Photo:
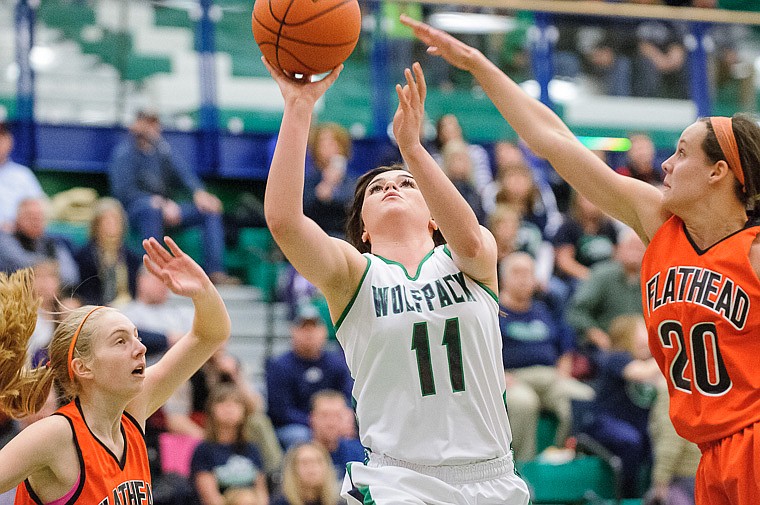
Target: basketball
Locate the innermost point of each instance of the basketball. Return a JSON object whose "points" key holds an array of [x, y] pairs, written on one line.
{"points": [[306, 36]]}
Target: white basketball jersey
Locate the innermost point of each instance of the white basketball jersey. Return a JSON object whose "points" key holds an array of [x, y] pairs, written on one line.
{"points": [[425, 353]]}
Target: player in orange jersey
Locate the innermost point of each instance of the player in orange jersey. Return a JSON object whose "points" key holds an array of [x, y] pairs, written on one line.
{"points": [[92, 450], [700, 271]]}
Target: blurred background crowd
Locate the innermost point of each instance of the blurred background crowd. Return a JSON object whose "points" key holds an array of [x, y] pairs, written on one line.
{"points": [[269, 420]]}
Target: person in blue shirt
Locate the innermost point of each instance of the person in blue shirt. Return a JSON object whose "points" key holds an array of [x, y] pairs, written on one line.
{"points": [[295, 376], [536, 353], [226, 459], [626, 388], [333, 426], [145, 175]]}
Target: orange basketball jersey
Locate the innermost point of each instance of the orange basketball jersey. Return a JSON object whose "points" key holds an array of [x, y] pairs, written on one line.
{"points": [[104, 479], [703, 330]]}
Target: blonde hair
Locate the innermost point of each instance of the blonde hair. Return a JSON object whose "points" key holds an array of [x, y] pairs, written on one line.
{"points": [[291, 482], [23, 390]]}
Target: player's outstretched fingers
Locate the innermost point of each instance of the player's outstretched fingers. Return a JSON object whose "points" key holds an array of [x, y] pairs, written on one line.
{"points": [[156, 252]]}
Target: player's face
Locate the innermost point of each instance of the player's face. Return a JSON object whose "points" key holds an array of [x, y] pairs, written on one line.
{"points": [[118, 356], [687, 170], [393, 193]]}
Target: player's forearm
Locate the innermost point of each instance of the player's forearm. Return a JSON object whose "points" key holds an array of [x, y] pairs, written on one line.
{"points": [[450, 210], [283, 199], [211, 322]]}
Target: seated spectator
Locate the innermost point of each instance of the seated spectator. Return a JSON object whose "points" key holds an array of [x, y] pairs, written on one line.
{"points": [[185, 412], [145, 176], [30, 244], [333, 426], [536, 356], [587, 236], [512, 233], [626, 388], [53, 307], [308, 477], [226, 459], [457, 165], [659, 59], [600, 50], [293, 377], [108, 268], [327, 188], [612, 289], [516, 185], [448, 129], [17, 182], [640, 162], [675, 459]]}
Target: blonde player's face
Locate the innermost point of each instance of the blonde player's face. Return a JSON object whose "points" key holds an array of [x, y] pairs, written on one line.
{"points": [[393, 194], [117, 363], [687, 170]]}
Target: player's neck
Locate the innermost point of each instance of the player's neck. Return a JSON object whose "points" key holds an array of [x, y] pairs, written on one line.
{"points": [[409, 251], [708, 228], [103, 418]]}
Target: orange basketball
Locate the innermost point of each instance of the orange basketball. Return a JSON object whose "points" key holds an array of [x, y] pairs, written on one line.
{"points": [[306, 36]]}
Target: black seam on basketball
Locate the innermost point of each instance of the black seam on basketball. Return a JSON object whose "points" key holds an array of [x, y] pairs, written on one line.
{"points": [[285, 50], [307, 42], [279, 32], [271, 11], [318, 14]]}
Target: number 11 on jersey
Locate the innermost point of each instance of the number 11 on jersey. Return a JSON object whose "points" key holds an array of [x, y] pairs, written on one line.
{"points": [[453, 343]]}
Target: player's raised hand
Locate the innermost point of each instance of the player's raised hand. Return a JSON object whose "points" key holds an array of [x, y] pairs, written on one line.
{"points": [[407, 122], [301, 88], [442, 44], [181, 274]]}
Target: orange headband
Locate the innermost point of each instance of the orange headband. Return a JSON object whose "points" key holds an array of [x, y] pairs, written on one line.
{"points": [[74, 341], [724, 132]]}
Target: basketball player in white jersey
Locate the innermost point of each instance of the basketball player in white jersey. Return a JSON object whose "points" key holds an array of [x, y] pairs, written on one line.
{"points": [[417, 319]]}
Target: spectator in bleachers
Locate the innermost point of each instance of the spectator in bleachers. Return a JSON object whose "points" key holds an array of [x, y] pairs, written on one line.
{"points": [[47, 286], [145, 176], [626, 388], [226, 459], [516, 185], [640, 160], [536, 354], [30, 244], [600, 49], [457, 165], [612, 289], [333, 426], [659, 59], [108, 268], [293, 377], [730, 67], [327, 187], [185, 411], [308, 477], [448, 129], [513, 233], [675, 459], [587, 236], [17, 182]]}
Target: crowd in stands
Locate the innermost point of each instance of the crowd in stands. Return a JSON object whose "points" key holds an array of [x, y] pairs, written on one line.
{"points": [[574, 345], [574, 348]]}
